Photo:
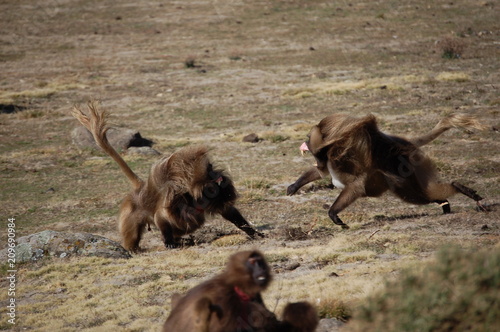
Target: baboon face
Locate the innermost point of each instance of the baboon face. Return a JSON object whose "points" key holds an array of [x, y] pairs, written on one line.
{"points": [[258, 269], [213, 181], [217, 191], [215, 178]]}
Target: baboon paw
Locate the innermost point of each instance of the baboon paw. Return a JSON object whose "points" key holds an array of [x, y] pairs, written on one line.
{"points": [[258, 234], [291, 190], [171, 245], [482, 208], [135, 250], [336, 220], [254, 235]]}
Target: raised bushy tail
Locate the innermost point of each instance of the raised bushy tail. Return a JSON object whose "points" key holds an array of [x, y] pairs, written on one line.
{"points": [[96, 124], [452, 121]]}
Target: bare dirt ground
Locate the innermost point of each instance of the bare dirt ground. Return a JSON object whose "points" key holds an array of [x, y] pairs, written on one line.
{"points": [[210, 72]]}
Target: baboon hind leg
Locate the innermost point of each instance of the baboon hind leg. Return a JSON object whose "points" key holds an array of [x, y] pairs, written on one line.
{"points": [[131, 230], [439, 192], [469, 192], [445, 205], [131, 224]]}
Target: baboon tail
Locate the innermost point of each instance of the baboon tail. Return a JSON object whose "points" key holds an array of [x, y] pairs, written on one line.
{"points": [[97, 125], [453, 121]]}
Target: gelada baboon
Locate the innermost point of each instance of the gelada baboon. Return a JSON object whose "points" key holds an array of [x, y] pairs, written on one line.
{"points": [[299, 317], [181, 190], [363, 161], [232, 301]]}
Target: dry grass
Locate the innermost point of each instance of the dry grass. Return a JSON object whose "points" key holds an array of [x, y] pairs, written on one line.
{"points": [[453, 77], [272, 68], [452, 47]]}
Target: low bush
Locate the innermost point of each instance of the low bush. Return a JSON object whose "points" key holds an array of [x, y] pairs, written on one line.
{"points": [[459, 291]]}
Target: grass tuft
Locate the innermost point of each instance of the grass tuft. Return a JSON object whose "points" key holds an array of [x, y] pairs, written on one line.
{"points": [[230, 240], [333, 308], [451, 47], [453, 77]]}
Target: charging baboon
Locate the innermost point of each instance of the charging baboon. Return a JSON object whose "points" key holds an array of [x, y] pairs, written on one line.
{"points": [[363, 161], [232, 301], [181, 189]]}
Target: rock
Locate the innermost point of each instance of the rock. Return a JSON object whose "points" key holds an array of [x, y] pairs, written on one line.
{"points": [[10, 108], [63, 244], [251, 138], [143, 150], [292, 266], [329, 325], [119, 138]]}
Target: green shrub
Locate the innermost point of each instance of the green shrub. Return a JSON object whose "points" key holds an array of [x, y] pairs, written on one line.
{"points": [[460, 291]]}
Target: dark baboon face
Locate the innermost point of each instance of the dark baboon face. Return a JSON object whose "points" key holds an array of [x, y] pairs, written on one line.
{"points": [[258, 269], [217, 192], [215, 180]]}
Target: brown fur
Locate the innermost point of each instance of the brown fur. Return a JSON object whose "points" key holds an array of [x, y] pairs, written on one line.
{"points": [[215, 305], [181, 189], [300, 317], [367, 162]]}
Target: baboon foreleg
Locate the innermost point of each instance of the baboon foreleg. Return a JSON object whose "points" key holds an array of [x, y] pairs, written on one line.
{"points": [[167, 233], [347, 196], [131, 231], [233, 215], [312, 174]]}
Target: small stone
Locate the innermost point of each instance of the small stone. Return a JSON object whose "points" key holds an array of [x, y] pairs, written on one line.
{"points": [[143, 150], [329, 325], [251, 138]]}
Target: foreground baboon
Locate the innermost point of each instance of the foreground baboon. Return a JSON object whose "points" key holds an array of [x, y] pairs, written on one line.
{"points": [[232, 301], [363, 161], [181, 189], [299, 317]]}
